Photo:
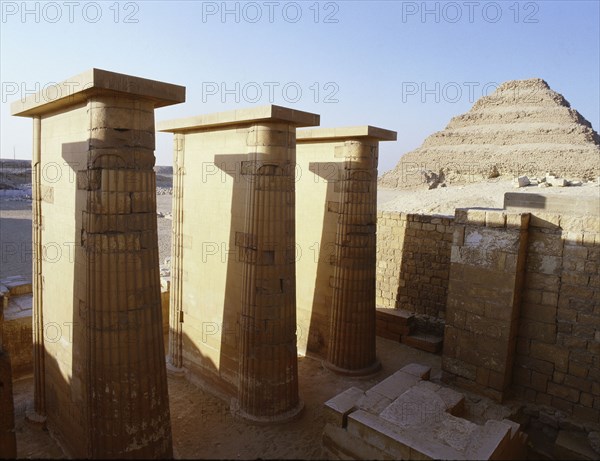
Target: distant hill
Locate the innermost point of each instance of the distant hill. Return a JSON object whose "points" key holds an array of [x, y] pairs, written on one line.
{"points": [[164, 176], [16, 173], [168, 170], [523, 128]]}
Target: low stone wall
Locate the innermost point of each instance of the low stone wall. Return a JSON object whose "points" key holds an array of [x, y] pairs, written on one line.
{"points": [[413, 262], [18, 342], [17, 339]]}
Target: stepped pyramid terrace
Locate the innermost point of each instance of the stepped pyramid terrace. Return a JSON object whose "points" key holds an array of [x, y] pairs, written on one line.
{"points": [[523, 128]]}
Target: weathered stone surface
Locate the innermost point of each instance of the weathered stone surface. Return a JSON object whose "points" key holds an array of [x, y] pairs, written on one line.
{"points": [[396, 384], [486, 277], [373, 402], [418, 424], [413, 262], [418, 370], [341, 405]]}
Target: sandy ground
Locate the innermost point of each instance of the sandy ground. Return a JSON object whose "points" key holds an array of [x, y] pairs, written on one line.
{"points": [[487, 194], [204, 428]]}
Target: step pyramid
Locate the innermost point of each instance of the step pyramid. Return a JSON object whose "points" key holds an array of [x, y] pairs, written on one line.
{"points": [[523, 128]]}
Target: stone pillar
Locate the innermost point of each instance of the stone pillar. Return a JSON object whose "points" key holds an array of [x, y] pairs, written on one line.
{"points": [[38, 415], [352, 329], [238, 234], [105, 381], [268, 359], [175, 358], [322, 217], [484, 296]]}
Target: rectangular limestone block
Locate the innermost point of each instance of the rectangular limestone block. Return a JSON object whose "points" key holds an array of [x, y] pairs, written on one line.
{"points": [[219, 120], [365, 131], [424, 342], [495, 218], [402, 444], [557, 204], [418, 370], [339, 407], [373, 402], [396, 384], [93, 82]]}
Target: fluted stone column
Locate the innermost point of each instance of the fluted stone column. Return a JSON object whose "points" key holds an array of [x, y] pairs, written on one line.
{"points": [[38, 415], [175, 357], [352, 329], [268, 387], [335, 215], [105, 382]]}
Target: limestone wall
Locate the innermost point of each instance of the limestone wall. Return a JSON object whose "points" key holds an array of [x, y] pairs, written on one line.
{"points": [[413, 262], [558, 349], [556, 323], [18, 342], [486, 277]]}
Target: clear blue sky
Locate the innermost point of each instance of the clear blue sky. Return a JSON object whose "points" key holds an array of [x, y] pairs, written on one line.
{"points": [[354, 62]]}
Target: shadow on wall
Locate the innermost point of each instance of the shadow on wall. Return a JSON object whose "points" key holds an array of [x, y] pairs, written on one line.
{"points": [[227, 371], [115, 258], [424, 265], [320, 319], [558, 345]]}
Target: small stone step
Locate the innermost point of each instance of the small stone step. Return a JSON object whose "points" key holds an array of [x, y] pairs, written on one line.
{"points": [[393, 323], [398, 316], [425, 342]]}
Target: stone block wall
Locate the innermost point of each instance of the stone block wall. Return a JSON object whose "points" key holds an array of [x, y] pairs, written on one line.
{"points": [[558, 349], [18, 343], [486, 277], [413, 262]]}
